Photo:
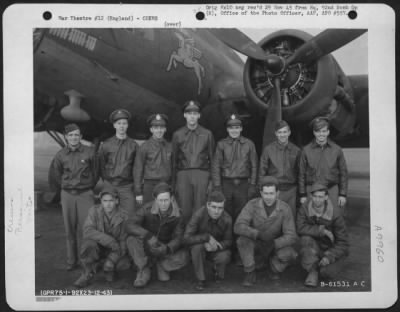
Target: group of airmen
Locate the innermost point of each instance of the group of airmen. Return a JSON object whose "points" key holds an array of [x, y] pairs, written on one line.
{"points": [[164, 205]]}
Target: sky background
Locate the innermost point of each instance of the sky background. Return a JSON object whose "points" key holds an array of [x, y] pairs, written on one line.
{"points": [[352, 58]]}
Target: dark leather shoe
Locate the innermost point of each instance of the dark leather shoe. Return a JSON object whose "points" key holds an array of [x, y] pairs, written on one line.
{"points": [[249, 279], [201, 285], [273, 275], [312, 279], [110, 276], [218, 277]]}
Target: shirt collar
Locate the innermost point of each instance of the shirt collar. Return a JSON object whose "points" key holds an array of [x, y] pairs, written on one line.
{"points": [[328, 211], [79, 148], [162, 141], [196, 131], [115, 218], [277, 206], [231, 140], [315, 144], [126, 136], [281, 146]]}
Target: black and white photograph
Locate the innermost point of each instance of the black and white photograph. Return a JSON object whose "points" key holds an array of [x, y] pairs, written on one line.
{"points": [[201, 160]]}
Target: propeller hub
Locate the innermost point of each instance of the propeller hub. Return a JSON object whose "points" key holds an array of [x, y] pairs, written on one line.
{"points": [[275, 64]]}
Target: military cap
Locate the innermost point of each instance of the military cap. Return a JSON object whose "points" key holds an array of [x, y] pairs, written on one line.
{"points": [[281, 124], [318, 187], [120, 114], [216, 197], [191, 106], [71, 127], [161, 187], [109, 190], [268, 180], [157, 120], [233, 120], [319, 122]]}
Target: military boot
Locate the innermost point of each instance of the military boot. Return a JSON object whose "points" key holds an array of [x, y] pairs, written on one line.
{"points": [[312, 279], [85, 277], [249, 279], [142, 277], [162, 274], [83, 280], [110, 276]]}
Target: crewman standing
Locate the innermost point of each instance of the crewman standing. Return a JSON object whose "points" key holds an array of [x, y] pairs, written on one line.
{"points": [[323, 161], [281, 160], [117, 156], [74, 171], [192, 150], [234, 171], [153, 163], [234, 168]]}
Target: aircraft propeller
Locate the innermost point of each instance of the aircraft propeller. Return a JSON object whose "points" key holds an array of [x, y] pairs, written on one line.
{"points": [[277, 66]]}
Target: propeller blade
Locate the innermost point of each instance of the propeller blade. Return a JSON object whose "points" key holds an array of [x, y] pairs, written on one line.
{"points": [[274, 114], [324, 43], [238, 41]]}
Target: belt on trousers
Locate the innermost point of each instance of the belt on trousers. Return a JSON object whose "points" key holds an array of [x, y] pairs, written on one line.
{"points": [[328, 186], [157, 180], [77, 191], [236, 181]]}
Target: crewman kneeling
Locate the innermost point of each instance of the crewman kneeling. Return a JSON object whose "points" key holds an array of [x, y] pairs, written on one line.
{"points": [[209, 235], [103, 238], [155, 236], [323, 236], [267, 231]]}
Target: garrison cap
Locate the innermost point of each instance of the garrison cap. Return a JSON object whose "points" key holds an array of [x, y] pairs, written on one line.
{"points": [[319, 122], [161, 187], [318, 187], [268, 180], [216, 197], [120, 114], [71, 127], [233, 120], [281, 124], [108, 190], [157, 120], [191, 106]]}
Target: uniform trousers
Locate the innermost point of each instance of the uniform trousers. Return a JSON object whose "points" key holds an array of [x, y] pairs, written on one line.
{"points": [[255, 253], [142, 257], [311, 253], [75, 207], [199, 256], [289, 196], [126, 198], [92, 252], [191, 187], [236, 195]]}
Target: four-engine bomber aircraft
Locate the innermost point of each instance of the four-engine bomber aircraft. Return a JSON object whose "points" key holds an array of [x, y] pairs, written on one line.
{"points": [[82, 75]]}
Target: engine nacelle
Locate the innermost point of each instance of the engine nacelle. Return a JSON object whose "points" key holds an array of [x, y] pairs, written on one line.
{"points": [[307, 90]]}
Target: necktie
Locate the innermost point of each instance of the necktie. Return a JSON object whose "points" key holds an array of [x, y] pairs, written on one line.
{"points": [[235, 147]]}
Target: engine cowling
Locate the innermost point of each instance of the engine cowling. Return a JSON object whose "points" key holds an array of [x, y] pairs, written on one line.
{"points": [[307, 90]]}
